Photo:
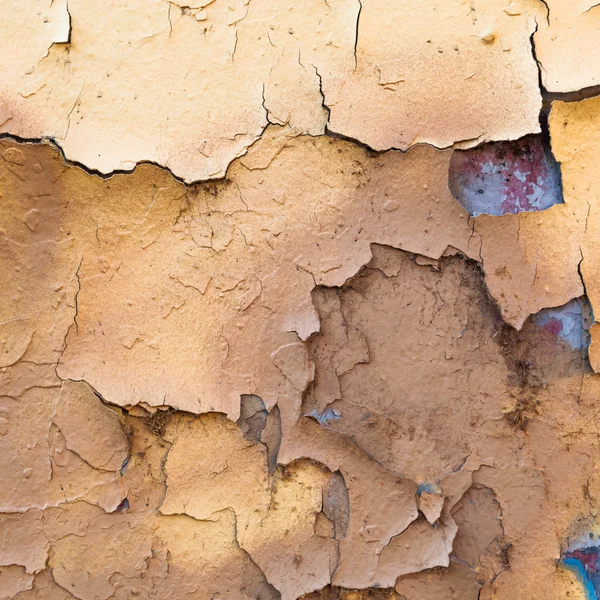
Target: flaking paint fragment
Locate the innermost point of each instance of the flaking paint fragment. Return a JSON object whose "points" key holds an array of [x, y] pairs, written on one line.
{"points": [[252, 283], [316, 66], [570, 126], [479, 543], [14, 579], [566, 47], [419, 70], [60, 20], [226, 472], [22, 541], [91, 429]]}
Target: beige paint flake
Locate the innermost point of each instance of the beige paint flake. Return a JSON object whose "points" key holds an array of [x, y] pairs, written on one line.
{"points": [[14, 579], [479, 542], [294, 556], [219, 61], [202, 559], [531, 260], [551, 256], [431, 506], [418, 548], [574, 128], [84, 565], [566, 45], [245, 254], [90, 428], [275, 519], [210, 468], [421, 67], [44, 587], [22, 541], [233, 68], [40, 469]]}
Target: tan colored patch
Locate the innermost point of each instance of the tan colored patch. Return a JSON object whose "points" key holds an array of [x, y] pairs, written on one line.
{"points": [[566, 45]]}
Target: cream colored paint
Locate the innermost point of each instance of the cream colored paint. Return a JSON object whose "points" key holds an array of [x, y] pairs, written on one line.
{"points": [[191, 89]]}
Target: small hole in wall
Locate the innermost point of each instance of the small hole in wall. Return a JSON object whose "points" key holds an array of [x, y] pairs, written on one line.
{"points": [[124, 506], [506, 177]]}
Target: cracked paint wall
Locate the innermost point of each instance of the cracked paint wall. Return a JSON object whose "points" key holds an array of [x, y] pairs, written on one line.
{"points": [[298, 300]]}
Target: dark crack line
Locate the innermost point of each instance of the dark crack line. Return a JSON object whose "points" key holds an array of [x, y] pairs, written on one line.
{"points": [[585, 11], [323, 102], [540, 67], [95, 172], [585, 93], [545, 3], [360, 7], [77, 295], [580, 273]]}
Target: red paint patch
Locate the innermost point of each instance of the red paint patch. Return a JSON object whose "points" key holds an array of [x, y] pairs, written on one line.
{"points": [[589, 560], [554, 326], [506, 177]]}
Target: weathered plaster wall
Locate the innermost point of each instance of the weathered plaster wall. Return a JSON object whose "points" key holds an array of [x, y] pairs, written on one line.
{"points": [[298, 301]]}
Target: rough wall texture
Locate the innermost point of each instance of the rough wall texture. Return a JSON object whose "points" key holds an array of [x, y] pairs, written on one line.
{"points": [[298, 300]]}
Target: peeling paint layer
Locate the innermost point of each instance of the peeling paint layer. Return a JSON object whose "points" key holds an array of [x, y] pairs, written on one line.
{"points": [[299, 302], [390, 429], [233, 68]]}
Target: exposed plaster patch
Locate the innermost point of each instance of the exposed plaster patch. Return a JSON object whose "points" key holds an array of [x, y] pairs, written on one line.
{"points": [[584, 563], [374, 370], [570, 323], [506, 177]]}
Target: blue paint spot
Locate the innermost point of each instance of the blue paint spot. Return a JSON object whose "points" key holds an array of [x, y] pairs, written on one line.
{"points": [[506, 177], [566, 322], [591, 582], [428, 488], [329, 414]]}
